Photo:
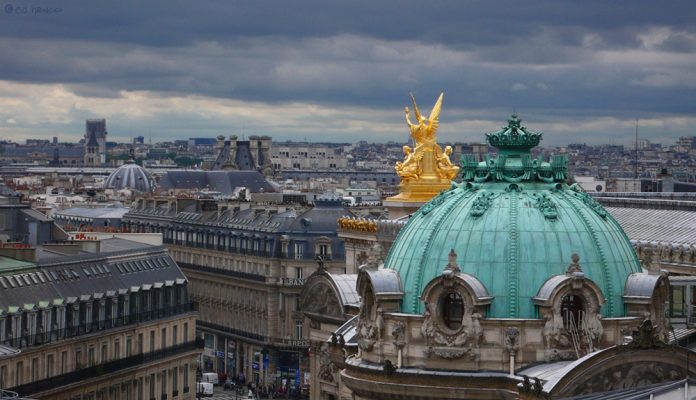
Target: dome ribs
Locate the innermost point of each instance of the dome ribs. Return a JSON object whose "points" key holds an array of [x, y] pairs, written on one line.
{"points": [[513, 257], [581, 212], [442, 212]]}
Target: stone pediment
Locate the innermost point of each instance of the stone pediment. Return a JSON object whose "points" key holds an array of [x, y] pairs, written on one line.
{"points": [[320, 299]]}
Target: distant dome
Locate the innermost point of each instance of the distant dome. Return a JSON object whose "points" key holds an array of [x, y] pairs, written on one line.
{"points": [[130, 176], [514, 223]]}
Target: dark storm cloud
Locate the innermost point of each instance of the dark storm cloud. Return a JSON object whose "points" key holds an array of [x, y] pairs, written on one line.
{"points": [[548, 58]]}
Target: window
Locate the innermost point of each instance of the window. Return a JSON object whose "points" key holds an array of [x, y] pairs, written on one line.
{"points": [[209, 341], [63, 361], [175, 381], [129, 345], [299, 251], [174, 335], [18, 374], [49, 366], [140, 343], [323, 250], [104, 353], [117, 349], [90, 357], [298, 329], [676, 301], [298, 272], [164, 384], [452, 310], [3, 376], [572, 311], [152, 386], [139, 389], [35, 369], [78, 359], [152, 340], [186, 377], [185, 332], [164, 338]]}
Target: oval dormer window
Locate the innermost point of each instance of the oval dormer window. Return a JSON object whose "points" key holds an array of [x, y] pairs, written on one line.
{"points": [[573, 311], [452, 310]]}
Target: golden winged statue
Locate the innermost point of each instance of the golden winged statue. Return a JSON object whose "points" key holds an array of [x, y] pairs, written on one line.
{"points": [[424, 132], [426, 170]]}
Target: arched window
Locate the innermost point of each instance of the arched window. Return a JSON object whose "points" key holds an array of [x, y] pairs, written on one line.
{"points": [[572, 310], [452, 310]]}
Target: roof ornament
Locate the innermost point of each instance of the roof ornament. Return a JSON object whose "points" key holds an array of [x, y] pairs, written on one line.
{"points": [[452, 264], [647, 336], [514, 136], [320, 263], [426, 168], [574, 266]]}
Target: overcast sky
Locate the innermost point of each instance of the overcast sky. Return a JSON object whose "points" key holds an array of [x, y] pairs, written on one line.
{"points": [[579, 71]]}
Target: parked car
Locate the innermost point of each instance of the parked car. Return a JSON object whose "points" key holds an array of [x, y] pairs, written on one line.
{"points": [[204, 389], [230, 384], [210, 377]]}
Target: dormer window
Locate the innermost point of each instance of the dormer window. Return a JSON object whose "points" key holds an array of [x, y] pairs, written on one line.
{"points": [[299, 251], [572, 311], [452, 310]]}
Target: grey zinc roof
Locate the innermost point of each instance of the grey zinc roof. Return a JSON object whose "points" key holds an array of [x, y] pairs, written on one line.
{"points": [[547, 288], [319, 219], [479, 290], [641, 285], [36, 215], [243, 157], [63, 151], [224, 182], [83, 276], [98, 212], [384, 281], [345, 283], [673, 226]]}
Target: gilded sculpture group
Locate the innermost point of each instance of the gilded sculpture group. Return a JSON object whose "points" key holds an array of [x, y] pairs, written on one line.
{"points": [[357, 224], [424, 135]]}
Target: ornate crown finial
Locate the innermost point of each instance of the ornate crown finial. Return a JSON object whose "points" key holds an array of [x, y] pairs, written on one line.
{"points": [[514, 136]]}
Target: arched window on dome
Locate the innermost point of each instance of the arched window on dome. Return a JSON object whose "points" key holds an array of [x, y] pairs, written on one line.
{"points": [[452, 310], [573, 311]]}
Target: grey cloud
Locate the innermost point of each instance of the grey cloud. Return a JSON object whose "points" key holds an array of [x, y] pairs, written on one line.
{"points": [[364, 53]]}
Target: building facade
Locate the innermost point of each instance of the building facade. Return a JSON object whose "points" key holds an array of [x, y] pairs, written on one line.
{"points": [[307, 156], [247, 264]]}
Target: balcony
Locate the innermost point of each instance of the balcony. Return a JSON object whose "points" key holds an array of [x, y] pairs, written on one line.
{"points": [[212, 270], [73, 331], [106, 368]]}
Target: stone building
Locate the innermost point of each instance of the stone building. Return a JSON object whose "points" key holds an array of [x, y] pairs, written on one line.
{"points": [[308, 156], [244, 155], [247, 264], [95, 142], [110, 324], [512, 284]]}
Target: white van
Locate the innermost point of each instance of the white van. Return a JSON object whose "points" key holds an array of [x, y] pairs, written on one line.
{"points": [[210, 377], [204, 389]]}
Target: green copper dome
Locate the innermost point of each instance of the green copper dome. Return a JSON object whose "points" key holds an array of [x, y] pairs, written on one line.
{"points": [[513, 223]]}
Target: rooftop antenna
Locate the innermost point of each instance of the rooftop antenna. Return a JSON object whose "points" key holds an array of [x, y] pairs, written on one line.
{"points": [[635, 170]]}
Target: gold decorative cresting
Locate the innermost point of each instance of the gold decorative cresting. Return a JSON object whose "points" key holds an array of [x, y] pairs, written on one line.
{"points": [[426, 169]]}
